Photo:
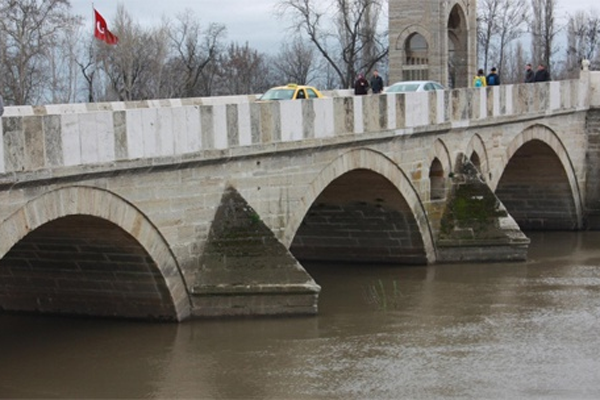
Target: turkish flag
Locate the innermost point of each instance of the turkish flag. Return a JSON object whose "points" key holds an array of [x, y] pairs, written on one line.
{"points": [[101, 32]]}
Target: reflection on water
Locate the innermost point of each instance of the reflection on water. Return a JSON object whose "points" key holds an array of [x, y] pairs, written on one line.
{"points": [[516, 330]]}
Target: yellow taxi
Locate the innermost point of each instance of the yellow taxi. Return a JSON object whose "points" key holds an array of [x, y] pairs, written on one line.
{"points": [[290, 92]]}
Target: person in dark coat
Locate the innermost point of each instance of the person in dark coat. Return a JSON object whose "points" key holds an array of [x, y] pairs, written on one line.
{"points": [[529, 74], [376, 83], [1, 106], [493, 79], [361, 86], [542, 74]]}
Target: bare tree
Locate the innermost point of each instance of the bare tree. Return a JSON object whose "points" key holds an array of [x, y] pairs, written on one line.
{"points": [[500, 23], [543, 31], [194, 50], [295, 62], [583, 38], [243, 71], [28, 29], [63, 70], [512, 17], [514, 72], [88, 66], [135, 65], [349, 40], [487, 29]]}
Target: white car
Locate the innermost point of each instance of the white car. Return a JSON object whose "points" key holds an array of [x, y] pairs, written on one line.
{"points": [[414, 86]]}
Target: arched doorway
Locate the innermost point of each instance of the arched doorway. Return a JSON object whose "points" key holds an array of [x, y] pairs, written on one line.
{"points": [[458, 65], [437, 181], [416, 65]]}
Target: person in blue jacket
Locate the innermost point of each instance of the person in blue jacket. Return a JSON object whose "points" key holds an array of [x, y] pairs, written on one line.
{"points": [[493, 79]]}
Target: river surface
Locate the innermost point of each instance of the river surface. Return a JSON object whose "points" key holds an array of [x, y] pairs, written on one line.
{"points": [[461, 331]]}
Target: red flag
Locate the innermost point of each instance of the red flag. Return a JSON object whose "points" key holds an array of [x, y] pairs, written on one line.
{"points": [[101, 31]]}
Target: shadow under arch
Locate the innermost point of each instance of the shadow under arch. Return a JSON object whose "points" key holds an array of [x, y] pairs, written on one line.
{"points": [[438, 171], [537, 161], [477, 145], [94, 204], [440, 151], [376, 163], [457, 36]]}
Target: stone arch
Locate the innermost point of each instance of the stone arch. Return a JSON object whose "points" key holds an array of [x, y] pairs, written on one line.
{"points": [[410, 30], [371, 160], [415, 62], [437, 180], [104, 205], [477, 146], [440, 151], [544, 134], [458, 44]]}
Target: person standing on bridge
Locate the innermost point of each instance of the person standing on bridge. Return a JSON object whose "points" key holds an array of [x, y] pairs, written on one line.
{"points": [[479, 79], [361, 86], [542, 74], [529, 74], [493, 79], [376, 83]]}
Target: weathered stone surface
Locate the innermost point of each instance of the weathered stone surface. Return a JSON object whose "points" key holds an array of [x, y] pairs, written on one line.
{"points": [[158, 171], [475, 225], [243, 259], [439, 23]]}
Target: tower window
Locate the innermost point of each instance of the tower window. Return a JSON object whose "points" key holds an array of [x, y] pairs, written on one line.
{"points": [[416, 66]]}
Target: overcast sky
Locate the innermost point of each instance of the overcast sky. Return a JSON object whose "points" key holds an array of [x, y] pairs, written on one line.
{"points": [[253, 21]]}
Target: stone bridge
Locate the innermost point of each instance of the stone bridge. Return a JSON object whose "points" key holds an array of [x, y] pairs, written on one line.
{"points": [[173, 209]]}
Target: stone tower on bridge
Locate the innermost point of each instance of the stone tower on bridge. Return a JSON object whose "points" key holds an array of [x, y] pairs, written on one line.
{"points": [[433, 39]]}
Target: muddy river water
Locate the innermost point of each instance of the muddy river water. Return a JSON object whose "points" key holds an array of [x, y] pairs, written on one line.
{"points": [[461, 331]]}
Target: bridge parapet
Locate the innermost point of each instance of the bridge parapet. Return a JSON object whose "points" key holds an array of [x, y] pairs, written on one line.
{"points": [[56, 136], [593, 81]]}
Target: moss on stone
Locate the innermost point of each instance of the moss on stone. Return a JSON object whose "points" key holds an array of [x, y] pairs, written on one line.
{"points": [[471, 206]]}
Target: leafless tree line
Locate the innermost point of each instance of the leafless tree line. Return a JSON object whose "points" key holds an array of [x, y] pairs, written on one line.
{"points": [[505, 26], [48, 56]]}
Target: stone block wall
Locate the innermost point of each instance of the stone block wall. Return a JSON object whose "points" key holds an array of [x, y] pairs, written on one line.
{"points": [[592, 201], [75, 136], [169, 166], [85, 266]]}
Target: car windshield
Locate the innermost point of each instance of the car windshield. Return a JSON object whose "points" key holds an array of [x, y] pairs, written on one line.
{"points": [[278, 94], [404, 87]]}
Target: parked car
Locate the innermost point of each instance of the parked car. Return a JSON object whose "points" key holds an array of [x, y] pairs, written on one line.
{"points": [[414, 86], [291, 91]]}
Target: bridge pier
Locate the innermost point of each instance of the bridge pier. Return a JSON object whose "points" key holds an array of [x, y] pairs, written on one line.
{"points": [[475, 226], [592, 201], [245, 270]]}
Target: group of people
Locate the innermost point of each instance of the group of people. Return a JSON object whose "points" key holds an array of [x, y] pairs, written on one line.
{"points": [[493, 79], [541, 75], [481, 80], [362, 85]]}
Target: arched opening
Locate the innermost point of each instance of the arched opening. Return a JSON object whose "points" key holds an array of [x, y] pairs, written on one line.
{"points": [[416, 65], [360, 217], [535, 189], [437, 181], [83, 265], [457, 49], [476, 161]]}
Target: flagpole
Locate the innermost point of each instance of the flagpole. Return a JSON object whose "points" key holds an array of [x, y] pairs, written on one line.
{"points": [[95, 61]]}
